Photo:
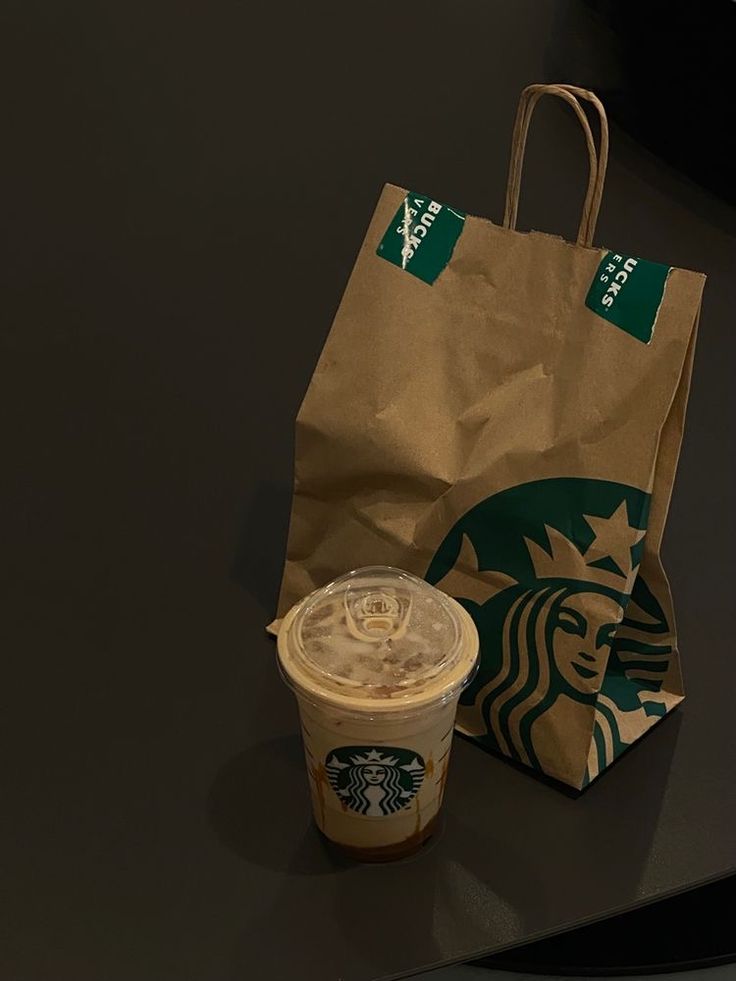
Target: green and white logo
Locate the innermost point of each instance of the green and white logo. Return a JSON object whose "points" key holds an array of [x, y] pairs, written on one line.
{"points": [[422, 236], [549, 571], [375, 782], [628, 292]]}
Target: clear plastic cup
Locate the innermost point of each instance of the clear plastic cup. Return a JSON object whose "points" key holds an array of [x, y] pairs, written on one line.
{"points": [[377, 660]]}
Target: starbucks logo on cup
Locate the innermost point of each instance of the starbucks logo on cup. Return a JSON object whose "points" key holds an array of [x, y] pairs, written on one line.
{"points": [[375, 782]]}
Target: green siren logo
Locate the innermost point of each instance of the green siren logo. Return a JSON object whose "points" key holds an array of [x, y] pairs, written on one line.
{"points": [[574, 644], [375, 782]]}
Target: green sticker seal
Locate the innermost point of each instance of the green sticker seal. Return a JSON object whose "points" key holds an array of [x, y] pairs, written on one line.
{"points": [[422, 236], [628, 292]]}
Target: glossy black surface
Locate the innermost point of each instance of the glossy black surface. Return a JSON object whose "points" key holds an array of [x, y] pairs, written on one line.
{"points": [[185, 188], [689, 931], [664, 71]]}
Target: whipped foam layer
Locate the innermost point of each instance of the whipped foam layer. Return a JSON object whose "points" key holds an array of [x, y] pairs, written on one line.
{"points": [[401, 641], [378, 639]]}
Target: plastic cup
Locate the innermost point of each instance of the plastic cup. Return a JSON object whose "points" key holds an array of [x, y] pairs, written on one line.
{"points": [[377, 660]]}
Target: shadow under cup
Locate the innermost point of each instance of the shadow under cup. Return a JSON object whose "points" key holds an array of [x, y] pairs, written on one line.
{"points": [[377, 660]]}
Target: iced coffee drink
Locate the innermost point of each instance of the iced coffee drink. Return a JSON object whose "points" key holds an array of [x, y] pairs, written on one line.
{"points": [[377, 660]]}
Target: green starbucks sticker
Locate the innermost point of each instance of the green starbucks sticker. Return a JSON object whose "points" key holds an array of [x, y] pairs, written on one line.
{"points": [[422, 236], [628, 292], [372, 781]]}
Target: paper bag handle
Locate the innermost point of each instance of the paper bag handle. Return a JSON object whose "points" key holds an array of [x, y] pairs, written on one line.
{"points": [[598, 159]]}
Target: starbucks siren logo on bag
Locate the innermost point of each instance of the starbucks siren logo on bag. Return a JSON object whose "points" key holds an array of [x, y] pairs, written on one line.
{"points": [[549, 572], [375, 782]]}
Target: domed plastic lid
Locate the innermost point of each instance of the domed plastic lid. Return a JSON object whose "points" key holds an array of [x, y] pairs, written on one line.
{"points": [[378, 633]]}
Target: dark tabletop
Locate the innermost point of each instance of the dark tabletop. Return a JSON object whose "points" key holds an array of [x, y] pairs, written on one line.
{"points": [[185, 189]]}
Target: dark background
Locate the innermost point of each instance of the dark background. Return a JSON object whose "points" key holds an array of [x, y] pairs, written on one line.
{"points": [[185, 187]]}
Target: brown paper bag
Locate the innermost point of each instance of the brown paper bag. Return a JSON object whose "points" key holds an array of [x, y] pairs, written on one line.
{"points": [[501, 413]]}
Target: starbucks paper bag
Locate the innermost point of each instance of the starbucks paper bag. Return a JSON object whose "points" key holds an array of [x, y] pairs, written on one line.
{"points": [[501, 412]]}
